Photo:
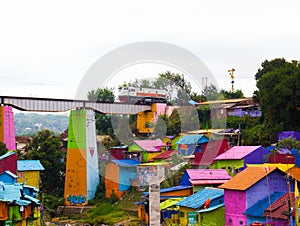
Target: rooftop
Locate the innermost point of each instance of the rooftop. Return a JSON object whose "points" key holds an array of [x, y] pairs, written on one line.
{"points": [[237, 152], [247, 178]]}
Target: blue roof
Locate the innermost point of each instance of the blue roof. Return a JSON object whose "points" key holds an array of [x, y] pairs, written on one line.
{"points": [[257, 210], [192, 139], [198, 199], [211, 208], [176, 188], [126, 162], [28, 165], [12, 193], [7, 154]]}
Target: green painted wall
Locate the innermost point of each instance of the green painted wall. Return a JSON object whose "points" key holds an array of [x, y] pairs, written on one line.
{"points": [[213, 218], [229, 165], [77, 129]]}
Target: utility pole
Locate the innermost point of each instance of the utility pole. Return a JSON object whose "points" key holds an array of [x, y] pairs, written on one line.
{"points": [[230, 71]]}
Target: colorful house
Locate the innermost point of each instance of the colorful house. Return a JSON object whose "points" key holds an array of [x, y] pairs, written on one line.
{"points": [[256, 213], [120, 176], [247, 188], [29, 172], [201, 178], [283, 156], [18, 207], [8, 161], [210, 150], [205, 207], [146, 149], [189, 144], [236, 158]]}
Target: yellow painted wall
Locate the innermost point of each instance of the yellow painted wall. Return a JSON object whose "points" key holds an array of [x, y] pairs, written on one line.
{"points": [[76, 179], [183, 215], [142, 119], [31, 178]]}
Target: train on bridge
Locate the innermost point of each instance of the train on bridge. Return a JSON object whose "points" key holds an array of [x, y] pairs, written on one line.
{"points": [[139, 95]]}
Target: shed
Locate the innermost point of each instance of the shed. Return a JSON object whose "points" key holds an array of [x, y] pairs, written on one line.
{"points": [[118, 152], [120, 176]]}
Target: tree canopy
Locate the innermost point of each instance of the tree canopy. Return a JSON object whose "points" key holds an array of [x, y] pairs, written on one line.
{"points": [[278, 83]]}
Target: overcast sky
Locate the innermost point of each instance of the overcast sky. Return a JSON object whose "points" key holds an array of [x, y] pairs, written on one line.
{"points": [[47, 47]]}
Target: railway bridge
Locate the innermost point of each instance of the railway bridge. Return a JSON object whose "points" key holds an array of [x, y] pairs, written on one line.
{"points": [[82, 172]]}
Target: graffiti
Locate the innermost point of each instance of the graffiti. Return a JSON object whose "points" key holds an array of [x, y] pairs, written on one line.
{"points": [[144, 174], [77, 199]]}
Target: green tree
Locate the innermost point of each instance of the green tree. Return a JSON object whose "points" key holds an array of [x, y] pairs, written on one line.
{"points": [[103, 121], [211, 93], [279, 94], [3, 148], [232, 95], [102, 94], [45, 147]]}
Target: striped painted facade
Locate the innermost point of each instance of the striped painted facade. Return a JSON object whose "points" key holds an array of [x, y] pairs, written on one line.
{"points": [[82, 173]]}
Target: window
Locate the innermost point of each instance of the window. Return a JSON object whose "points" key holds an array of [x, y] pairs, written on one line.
{"points": [[21, 174]]}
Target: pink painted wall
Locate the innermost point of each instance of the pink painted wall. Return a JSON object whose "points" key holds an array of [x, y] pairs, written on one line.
{"points": [[9, 128], [235, 206]]}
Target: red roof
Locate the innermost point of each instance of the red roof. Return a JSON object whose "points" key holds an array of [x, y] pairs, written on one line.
{"points": [[279, 207]]}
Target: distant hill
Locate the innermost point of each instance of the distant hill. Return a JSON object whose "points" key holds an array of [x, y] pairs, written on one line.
{"points": [[30, 123]]}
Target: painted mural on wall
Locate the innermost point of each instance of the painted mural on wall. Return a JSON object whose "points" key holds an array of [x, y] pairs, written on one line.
{"points": [[144, 173]]}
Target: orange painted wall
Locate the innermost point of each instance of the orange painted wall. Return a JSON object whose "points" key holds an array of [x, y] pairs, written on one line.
{"points": [[184, 192], [112, 180], [76, 180]]}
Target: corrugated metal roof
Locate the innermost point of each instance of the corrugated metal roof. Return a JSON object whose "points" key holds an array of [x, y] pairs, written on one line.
{"points": [[237, 152], [247, 178], [207, 174], [165, 154], [170, 189], [192, 139], [210, 208], [126, 162], [198, 199], [12, 193], [257, 210], [207, 182], [169, 203], [28, 165], [7, 154], [150, 145]]}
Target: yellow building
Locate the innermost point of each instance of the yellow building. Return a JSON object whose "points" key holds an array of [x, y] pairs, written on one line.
{"points": [[29, 172]]}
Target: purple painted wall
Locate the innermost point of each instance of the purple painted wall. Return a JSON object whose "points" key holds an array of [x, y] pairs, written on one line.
{"points": [[287, 134], [236, 202], [277, 183], [256, 157], [235, 206]]}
